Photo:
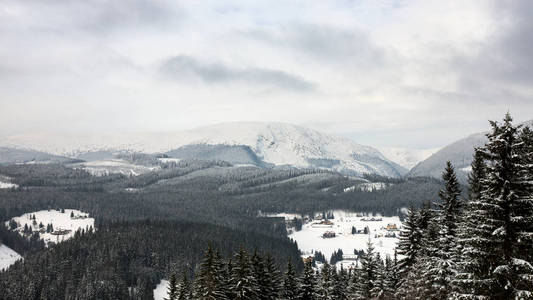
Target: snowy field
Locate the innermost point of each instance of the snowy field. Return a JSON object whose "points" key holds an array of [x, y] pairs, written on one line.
{"points": [[161, 290], [7, 257], [113, 166], [310, 238], [7, 185], [62, 222]]}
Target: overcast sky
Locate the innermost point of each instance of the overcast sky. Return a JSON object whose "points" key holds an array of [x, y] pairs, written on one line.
{"points": [[387, 73]]}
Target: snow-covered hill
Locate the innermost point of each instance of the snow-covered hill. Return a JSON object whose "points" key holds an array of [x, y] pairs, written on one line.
{"points": [[7, 257], [460, 153], [269, 143], [407, 158]]}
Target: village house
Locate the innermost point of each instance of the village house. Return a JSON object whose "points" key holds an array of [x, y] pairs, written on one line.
{"points": [[328, 234], [391, 226]]}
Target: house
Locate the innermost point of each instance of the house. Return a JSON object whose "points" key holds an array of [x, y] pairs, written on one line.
{"points": [[349, 257], [391, 226], [325, 222], [328, 234], [61, 232]]}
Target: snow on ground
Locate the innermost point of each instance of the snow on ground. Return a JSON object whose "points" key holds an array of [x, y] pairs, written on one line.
{"points": [[310, 238], [64, 225], [367, 187], [161, 290], [7, 257], [113, 166], [7, 185], [169, 160]]}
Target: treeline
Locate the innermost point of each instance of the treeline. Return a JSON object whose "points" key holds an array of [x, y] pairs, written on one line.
{"points": [[255, 276], [126, 260], [481, 247], [194, 190]]}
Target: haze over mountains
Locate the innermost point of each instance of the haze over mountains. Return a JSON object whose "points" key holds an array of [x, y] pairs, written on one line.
{"points": [[260, 144], [249, 143]]}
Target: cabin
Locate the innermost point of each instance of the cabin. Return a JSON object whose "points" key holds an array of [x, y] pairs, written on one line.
{"points": [[391, 227], [328, 234], [352, 257], [325, 222], [390, 234], [61, 232]]}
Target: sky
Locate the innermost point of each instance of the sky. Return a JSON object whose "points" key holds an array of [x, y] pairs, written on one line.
{"points": [[416, 74]]}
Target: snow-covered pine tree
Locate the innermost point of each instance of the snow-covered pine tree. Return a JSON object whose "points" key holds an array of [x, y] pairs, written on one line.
{"points": [[261, 276], [369, 269], [477, 260], [290, 283], [389, 277], [441, 265], [308, 284], [508, 188], [273, 278], [172, 291], [326, 284], [409, 243], [209, 283], [184, 289], [340, 284], [244, 283]]}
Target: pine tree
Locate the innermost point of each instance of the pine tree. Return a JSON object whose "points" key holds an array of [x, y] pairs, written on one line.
{"points": [[209, 282], [244, 284], [308, 285], [184, 290], [474, 278], [273, 278], [261, 276], [340, 284], [290, 283], [409, 243], [172, 291], [325, 287], [369, 269], [495, 261], [441, 265]]}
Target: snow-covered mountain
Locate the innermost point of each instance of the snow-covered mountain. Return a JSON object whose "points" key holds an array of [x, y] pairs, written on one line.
{"points": [[405, 157], [460, 153], [277, 144]]}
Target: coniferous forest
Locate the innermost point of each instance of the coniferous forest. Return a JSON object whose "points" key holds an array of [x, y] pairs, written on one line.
{"points": [[465, 242], [478, 247]]}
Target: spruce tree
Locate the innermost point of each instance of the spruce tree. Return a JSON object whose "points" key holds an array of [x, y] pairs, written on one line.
{"points": [[273, 278], [476, 262], [369, 269], [508, 187], [244, 284], [308, 284], [209, 283], [290, 283], [442, 265], [409, 242], [326, 284], [184, 289], [172, 292]]}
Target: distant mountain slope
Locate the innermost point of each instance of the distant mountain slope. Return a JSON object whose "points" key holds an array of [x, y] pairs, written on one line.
{"points": [[15, 155], [275, 144], [460, 153], [407, 158]]}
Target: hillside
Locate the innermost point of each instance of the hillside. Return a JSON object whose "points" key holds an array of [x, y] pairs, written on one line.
{"points": [[260, 144], [460, 153]]}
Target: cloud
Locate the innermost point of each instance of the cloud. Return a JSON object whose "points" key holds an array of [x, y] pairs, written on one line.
{"points": [[183, 68]]}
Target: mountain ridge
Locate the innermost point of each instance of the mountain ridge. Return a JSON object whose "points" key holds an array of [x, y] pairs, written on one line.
{"points": [[273, 143]]}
